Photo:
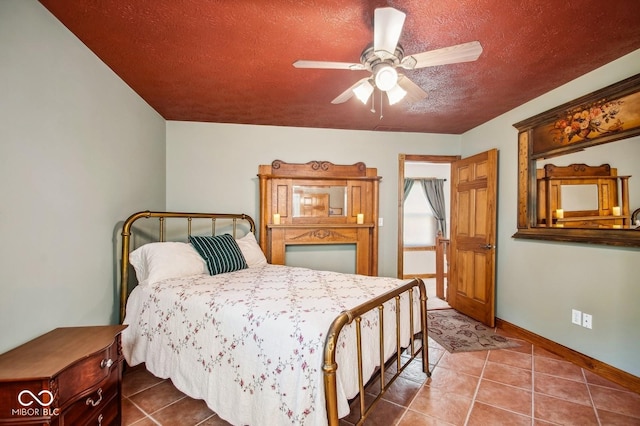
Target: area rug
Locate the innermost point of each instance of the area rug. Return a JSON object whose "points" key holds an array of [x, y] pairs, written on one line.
{"points": [[459, 333]]}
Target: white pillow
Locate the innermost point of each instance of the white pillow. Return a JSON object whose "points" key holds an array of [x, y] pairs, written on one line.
{"points": [[158, 261], [251, 250]]}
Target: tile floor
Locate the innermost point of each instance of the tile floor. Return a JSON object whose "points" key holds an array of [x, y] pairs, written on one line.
{"points": [[525, 385]]}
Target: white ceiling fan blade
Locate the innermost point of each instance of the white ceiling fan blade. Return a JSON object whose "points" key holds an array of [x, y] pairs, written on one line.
{"points": [[347, 94], [387, 27], [328, 65], [414, 92], [465, 52]]}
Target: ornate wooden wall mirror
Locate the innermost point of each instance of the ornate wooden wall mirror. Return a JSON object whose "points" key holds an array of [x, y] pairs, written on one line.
{"points": [[574, 183]]}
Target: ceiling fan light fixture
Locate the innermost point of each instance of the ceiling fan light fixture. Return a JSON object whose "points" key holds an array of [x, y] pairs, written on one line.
{"points": [[363, 91], [396, 94], [386, 78]]}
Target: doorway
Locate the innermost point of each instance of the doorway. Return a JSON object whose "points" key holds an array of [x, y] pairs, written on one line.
{"points": [[423, 232]]}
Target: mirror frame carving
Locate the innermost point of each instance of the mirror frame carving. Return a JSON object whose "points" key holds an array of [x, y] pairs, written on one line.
{"points": [[535, 141]]}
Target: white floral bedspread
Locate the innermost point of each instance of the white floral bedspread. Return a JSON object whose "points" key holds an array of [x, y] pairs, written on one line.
{"points": [[250, 343]]}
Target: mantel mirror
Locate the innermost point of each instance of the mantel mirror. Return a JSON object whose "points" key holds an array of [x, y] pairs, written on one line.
{"points": [[576, 168], [319, 200]]}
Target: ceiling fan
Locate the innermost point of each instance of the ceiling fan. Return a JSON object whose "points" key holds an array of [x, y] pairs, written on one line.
{"points": [[385, 55]]}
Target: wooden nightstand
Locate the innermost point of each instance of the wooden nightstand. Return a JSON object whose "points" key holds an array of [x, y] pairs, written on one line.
{"points": [[69, 376]]}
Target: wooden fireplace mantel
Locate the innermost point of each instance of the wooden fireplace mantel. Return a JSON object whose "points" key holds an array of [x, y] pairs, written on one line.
{"points": [[303, 197], [360, 235]]}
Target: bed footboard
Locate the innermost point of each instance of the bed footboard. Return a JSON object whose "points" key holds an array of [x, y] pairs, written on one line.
{"points": [[330, 366]]}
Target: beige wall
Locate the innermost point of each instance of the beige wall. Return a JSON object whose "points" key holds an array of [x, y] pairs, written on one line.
{"points": [[538, 283], [213, 167], [78, 152]]}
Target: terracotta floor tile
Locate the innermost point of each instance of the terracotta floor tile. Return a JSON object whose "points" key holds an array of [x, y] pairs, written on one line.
{"points": [[505, 397], [145, 422], [526, 384], [385, 413], [483, 415], [130, 413], [538, 351], [186, 411], [137, 379], [214, 421], [508, 375], [453, 382], [559, 387], [525, 347], [402, 391], [608, 418], [563, 412], [555, 367], [538, 422], [414, 372], [157, 397], [621, 402], [514, 359], [354, 414], [594, 379], [464, 362], [413, 418], [433, 344], [447, 406], [434, 356]]}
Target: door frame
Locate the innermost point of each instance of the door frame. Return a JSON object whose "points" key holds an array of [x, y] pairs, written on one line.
{"points": [[402, 158]]}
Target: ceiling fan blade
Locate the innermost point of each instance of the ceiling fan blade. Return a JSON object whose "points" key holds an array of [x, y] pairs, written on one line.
{"points": [[387, 27], [464, 52], [347, 94], [328, 65], [414, 92]]}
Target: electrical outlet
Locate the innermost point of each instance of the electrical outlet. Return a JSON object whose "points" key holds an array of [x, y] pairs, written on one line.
{"points": [[576, 317], [380, 221], [587, 320]]}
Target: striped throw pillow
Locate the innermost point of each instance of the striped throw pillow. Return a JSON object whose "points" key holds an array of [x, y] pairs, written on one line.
{"points": [[221, 253]]}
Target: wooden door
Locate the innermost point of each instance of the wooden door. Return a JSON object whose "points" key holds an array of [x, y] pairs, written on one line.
{"points": [[471, 288]]}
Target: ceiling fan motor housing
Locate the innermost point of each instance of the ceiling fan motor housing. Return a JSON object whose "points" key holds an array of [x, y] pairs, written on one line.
{"points": [[382, 64]]}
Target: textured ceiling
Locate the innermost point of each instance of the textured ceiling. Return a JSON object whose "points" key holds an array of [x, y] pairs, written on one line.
{"points": [[231, 61]]}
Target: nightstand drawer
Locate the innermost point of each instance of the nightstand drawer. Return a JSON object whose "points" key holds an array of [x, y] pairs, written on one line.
{"points": [[86, 374], [109, 416], [69, 376], [93, 404]]}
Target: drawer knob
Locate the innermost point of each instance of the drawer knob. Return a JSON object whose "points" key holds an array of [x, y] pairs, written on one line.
{"points": [[106, 363], [93, 403]]}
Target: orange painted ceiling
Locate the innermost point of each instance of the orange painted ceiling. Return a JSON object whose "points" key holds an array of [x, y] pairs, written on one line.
{"points": [[231, 61]]}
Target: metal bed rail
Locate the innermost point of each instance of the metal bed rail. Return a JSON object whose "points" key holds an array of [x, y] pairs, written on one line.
{"points": [[330, 366]]}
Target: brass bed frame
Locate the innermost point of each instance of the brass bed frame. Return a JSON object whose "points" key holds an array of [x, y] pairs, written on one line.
{"points": [[346, 317]]}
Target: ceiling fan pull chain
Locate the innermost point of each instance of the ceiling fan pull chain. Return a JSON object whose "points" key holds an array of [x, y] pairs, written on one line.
{"points": [[373, 104], [381, 104]]}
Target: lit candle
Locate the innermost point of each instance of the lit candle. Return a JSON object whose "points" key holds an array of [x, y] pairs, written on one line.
{"points": [[615, 210], [276, 218], [560, 213], [360, 219]]}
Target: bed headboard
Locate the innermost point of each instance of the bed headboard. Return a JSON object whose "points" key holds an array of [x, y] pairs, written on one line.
{"points": [[185, 224]]}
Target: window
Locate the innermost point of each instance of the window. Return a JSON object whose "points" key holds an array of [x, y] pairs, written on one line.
{"points": [[420, 226]]}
